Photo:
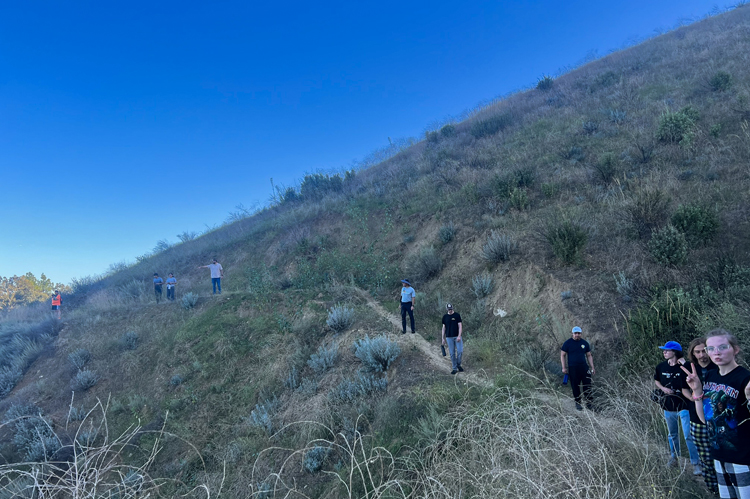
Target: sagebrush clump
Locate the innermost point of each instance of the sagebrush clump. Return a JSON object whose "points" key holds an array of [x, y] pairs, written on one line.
{"points": [[482, 285], [83, 380], [340, 318], [189, 300], [377, 354], [79, 358], [324, 358], [498, 248]]}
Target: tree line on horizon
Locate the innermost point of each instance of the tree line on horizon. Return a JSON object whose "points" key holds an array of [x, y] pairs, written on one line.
{"points": [[27, 289]]}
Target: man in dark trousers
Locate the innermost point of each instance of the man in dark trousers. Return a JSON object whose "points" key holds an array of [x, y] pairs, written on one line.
{"points": [[158, 281], [669, 378], [578, 362], [696, 354], [408, 297], [452, 332]]}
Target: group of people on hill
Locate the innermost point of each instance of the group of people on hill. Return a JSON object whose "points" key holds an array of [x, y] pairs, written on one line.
{"points": [[708, 394], [217, 272]]}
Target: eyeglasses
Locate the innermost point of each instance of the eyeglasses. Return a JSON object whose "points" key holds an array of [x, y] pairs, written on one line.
{"points": [[720, 348]]}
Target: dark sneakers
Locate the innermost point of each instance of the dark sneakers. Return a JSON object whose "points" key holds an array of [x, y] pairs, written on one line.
{"points": [[460, 369], [578, 407], [454, 371]]}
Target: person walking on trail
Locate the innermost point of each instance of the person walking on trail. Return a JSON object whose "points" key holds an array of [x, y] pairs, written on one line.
{"points": [[578, 363], [408, 296], [217, 272], [57, 303], [158, 281], [696, 354], [452, 336], [171, 283], [669, 378], [721, 402]]}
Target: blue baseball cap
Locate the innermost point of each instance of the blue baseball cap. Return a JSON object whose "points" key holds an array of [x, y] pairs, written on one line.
{"points": [[672, 345], [577, 330]]}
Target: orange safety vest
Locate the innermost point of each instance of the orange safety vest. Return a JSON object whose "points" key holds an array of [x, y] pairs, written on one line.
{"points": [[57, 300]]}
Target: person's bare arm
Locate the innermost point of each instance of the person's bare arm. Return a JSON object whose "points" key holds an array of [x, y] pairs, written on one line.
{"points": [[663, 388], [564, 361], [694, 382], [443, 334], [590, 359], [460, 330]]}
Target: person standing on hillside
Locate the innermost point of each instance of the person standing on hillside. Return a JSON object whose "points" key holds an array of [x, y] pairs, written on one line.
{"points": [[696, 354], [57, 303], [171, 283], [158, 281], [578, 362], [408, 298], [452, 332], [669, 378], [217, 272], [721, 402]]}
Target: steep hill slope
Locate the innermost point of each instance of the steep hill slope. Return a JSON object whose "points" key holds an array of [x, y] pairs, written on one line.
{"points": [[613, 197]]}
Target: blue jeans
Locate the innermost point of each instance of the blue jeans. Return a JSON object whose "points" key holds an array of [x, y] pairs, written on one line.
{"points": [[456, 349], [674, 419], [216, 282]]}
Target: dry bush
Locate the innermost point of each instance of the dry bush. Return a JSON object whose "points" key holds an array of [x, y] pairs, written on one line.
{"points": [[96, 464]]}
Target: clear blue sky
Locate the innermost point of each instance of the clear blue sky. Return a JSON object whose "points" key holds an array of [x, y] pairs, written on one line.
{"points": [[125, 123]]}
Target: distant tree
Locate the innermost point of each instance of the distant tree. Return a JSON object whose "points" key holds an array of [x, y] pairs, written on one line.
{"points": [[26, 289]]}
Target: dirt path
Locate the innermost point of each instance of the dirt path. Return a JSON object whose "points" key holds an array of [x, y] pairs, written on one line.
{"points": [[430, 351]]}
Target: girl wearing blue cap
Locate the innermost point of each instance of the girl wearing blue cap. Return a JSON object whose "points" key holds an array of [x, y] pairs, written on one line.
{"points": [[669, 378]]}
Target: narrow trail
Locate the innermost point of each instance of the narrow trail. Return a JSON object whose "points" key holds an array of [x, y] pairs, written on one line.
{"points": [[430, 351]]}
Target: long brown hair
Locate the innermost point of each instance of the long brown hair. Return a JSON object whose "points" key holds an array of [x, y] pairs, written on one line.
{"points": [[692, 346]]}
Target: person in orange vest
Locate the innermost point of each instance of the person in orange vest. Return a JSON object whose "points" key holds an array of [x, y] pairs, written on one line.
{"points": [[57, 303]]}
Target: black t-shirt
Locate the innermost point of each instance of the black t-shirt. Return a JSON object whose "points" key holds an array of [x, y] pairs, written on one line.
{"points": [[576, 351], [671, 377], [702, 373], [451, 322], [727, 415]]}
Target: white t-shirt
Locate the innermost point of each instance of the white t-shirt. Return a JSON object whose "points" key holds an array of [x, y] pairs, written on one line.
{"points": [[215, 270]]}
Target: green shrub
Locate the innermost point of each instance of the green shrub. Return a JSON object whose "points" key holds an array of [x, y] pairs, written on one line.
{"points": [[550, 190], [176, 380], [324, 358], [670, 315], [668, 246], [317, 185], [720, 82], [32, 433], [715, 130], [624, 285], [340, 318], [678, 127], [574, 154], [606, 168], [567, 239], [432, 137], [377, 354], [84, 380], [79, 358], [699, 223], [647, 211], [482, 285], [425, 264], [545, 83], [189, 300], [519, 199], [524, 177], [9, 378], [447, 232], [490, 126], [448, 130], [590, 127]]}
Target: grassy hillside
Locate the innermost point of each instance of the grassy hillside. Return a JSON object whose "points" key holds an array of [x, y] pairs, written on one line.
{"points": [[613, 197]]}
